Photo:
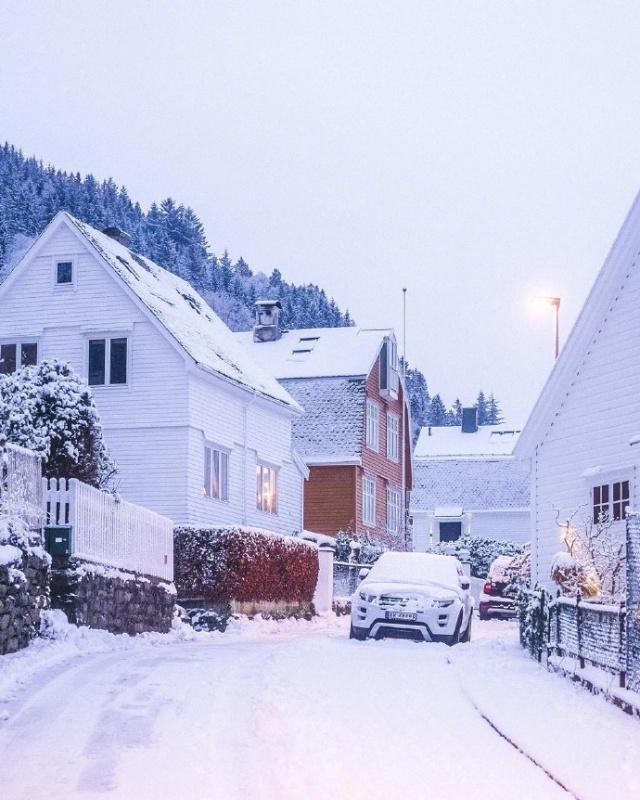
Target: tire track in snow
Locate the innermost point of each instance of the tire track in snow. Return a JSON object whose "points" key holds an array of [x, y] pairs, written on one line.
{"points": [[506, 737]]}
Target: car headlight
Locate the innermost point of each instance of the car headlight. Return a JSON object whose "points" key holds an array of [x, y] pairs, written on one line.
{"points": [[442, 603], [368, 598]]}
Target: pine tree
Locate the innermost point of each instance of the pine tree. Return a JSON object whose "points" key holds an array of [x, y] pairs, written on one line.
{"points": [[437, 412], [494, 413], [455, 413], [481, 405]]}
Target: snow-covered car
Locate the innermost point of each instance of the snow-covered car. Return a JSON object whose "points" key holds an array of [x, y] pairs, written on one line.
{"points": [[413, 595], [498, 597]]}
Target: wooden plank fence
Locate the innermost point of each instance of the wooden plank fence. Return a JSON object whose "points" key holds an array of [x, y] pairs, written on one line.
{"points": [[21, 484], [110, 531]]}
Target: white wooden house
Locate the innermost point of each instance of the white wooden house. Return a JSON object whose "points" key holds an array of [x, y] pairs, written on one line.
{"points": [[467, 482], [199, 431], [582, 440]]}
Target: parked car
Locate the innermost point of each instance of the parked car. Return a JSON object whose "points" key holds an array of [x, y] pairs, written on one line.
{"points": [[498, 596], [413, 595]]}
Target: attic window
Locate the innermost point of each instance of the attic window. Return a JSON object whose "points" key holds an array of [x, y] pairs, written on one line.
{"points": [[64, 273]]}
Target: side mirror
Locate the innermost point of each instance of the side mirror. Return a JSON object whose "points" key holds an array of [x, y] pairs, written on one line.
{"points": [[364, 572]]}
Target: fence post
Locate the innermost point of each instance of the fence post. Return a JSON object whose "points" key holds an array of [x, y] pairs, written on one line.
{"points": [[541, 626], [578, 637], [323, 597], [622, 677]]}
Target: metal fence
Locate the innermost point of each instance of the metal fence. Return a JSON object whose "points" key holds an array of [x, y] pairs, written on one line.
{"points": [[21, 484], [110, 531]]}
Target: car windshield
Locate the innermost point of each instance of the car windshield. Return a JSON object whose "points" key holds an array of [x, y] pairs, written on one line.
{"points": [[421, 568]]}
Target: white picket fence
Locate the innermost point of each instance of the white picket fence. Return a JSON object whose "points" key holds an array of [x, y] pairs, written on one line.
{"points": [[21, 484], [110, 531]]}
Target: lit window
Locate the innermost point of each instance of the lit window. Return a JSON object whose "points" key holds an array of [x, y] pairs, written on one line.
{"points": [[216, 473], [368, 500], [107, 362], [373, 424], [64, 272], [266, 489], [393, 437], [12, 356], [393, 510]]}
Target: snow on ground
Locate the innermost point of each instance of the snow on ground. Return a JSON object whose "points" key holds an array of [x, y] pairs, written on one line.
{"points": [[297, 710]]}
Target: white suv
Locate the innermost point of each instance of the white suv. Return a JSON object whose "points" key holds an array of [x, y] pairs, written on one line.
{"points": [[413, 595]]}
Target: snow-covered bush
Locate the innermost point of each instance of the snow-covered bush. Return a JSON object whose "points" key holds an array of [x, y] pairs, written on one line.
{"points": [[357, 549], [593, 561], [533, 616], [243, 564], [482, 551], [48, 409]]}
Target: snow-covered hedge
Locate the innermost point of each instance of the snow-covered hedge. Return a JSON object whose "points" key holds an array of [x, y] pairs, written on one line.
{"points": [[244, 565], [362, 549], [483, 551]]}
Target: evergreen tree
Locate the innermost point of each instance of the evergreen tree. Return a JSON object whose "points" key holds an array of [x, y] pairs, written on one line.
{"points": [[437, 412], [481, 405], [494, 413], [48, 409], [455, 413]]}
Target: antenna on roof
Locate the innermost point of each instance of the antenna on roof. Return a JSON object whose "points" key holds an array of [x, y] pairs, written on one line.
{"points": [[404, 332]]}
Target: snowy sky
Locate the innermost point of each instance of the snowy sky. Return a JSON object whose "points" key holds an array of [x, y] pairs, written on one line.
{"points": [[478, 153]]}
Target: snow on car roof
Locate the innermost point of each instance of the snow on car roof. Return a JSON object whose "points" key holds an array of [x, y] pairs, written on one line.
{"points": [[416, 568], [185, 315], [319, 352], [450, 441]]}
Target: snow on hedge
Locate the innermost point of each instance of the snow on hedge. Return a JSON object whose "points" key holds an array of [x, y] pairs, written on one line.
{"points": [[244, 564]]}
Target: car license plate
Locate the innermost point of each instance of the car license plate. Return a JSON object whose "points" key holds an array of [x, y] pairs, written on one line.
{"points": [[402, 615]]}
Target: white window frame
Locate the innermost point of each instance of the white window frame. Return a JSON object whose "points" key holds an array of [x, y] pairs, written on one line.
{"points": [[107, 338], [369, 500], [212, 453], [393, 436], [261, 466], [373, 425], [610, 483], [62, 287], [394, 510], [19, 344]]}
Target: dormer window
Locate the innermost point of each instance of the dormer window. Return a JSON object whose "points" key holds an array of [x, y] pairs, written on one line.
{"points": [[64, 273], [389, 378]]}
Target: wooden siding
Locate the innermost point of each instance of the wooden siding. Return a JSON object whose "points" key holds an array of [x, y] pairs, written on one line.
{"points": [[330, 499], [155, 426], [592, 426]]}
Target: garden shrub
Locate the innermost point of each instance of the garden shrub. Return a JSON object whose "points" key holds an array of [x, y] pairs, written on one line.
{"points": [[482, 551], [243, 564]]}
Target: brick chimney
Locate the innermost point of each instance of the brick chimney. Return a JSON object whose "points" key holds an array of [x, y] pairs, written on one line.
{"points": [[120, 236], [267, 326], [469, 420]]}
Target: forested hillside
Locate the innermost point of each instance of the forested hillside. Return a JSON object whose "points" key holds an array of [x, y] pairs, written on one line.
{"points": [[172, 235]]}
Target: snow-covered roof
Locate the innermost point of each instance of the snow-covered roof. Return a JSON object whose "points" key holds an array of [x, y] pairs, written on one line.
{"points": [[469, 484], [319, 352], [185, 315], [450, 441], [332, 427]]}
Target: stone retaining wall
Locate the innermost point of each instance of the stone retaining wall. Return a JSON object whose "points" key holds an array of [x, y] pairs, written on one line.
{"points": [[110, 599], [24, 592]]}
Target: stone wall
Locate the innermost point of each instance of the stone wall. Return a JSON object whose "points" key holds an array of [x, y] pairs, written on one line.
{"points": [[24, 592], [110, 599]]}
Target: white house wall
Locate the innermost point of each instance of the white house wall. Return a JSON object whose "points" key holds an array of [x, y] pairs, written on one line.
{"points": [[502, 524], [155, 426], [592, 428]]}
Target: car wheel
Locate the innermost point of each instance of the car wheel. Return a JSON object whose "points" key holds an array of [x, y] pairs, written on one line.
{"points": [[357, 633], [483, 615], [455, 636], [466, 637]]}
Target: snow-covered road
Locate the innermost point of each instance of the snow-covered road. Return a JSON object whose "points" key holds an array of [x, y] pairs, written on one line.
{"points": [[303, 714]]}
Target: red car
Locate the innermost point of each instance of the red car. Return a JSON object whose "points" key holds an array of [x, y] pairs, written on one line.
{"points": [[498, 598]]}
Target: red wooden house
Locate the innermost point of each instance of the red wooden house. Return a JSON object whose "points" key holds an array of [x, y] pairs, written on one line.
{"points": [[355, 433]]}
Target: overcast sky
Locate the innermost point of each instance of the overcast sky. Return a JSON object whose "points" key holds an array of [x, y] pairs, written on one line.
{"points": [[476, 153]]}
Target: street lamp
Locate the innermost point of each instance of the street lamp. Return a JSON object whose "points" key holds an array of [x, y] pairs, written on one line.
{"points": [[555, 303]]}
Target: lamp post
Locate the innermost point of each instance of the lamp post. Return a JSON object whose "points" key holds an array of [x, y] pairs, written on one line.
{"points": [[555, 303]]}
